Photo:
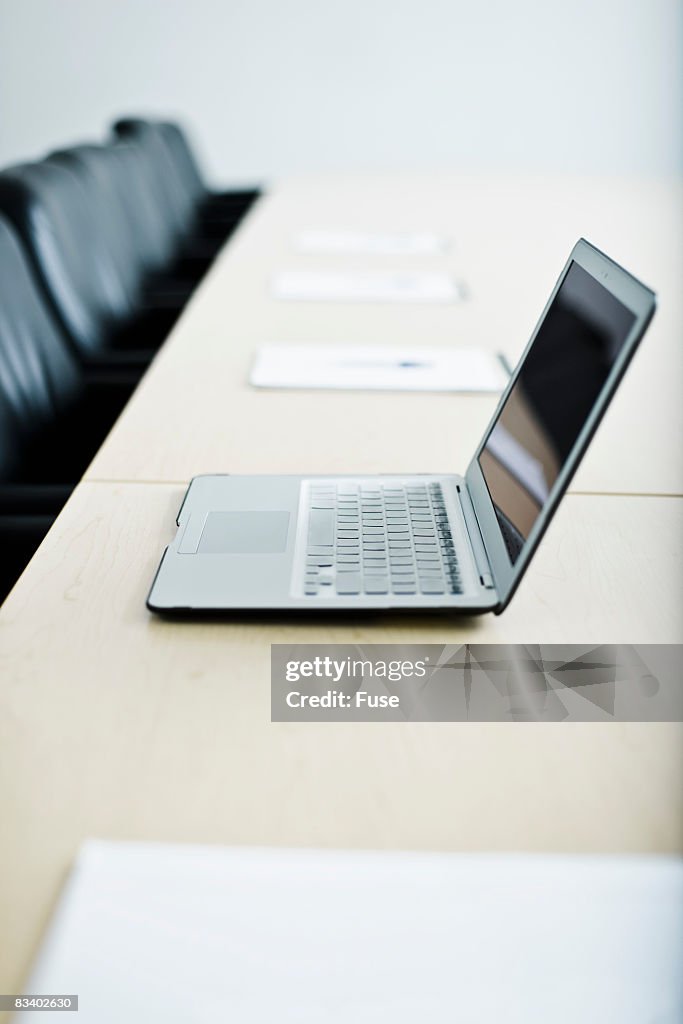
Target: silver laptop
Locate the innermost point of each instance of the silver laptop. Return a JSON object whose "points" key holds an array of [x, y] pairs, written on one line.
{"points": [[421, 541]]}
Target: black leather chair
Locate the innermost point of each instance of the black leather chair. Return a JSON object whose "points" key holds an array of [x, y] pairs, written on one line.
{"points": [[123, 209], [90, 290], [167, 250], [179, 209], [157, 239], [53, 415], [209, 216]]}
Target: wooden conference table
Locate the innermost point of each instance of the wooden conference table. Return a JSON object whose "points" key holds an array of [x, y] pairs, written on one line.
{"points": [[116, 724]]}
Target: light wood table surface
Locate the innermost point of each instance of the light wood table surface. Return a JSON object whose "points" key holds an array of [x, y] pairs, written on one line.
{"points": [[119, 725]]}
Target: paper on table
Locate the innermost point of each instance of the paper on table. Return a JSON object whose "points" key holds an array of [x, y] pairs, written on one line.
{"points": [[191, 934], [365, 286], [375, 243], [377, 368]]}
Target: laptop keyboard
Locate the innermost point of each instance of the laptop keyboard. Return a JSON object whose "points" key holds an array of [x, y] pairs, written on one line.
{"points": [[379, 539]]}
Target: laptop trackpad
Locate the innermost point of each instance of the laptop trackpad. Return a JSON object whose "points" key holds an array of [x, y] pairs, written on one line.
{"points": [[244, 533]]}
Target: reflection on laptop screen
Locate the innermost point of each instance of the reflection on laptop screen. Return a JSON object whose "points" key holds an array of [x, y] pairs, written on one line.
{"points": [[561, 378]]}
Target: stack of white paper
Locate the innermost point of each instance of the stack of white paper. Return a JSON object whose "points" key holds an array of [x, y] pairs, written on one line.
{"points": [[354, 367], [196, 935], [349, 242]]}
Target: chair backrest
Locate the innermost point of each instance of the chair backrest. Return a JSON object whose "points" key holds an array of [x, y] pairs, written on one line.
{"points": [[125, 207], [39, 376], [54, 216], [180, 205], [109, 215], [154, 232], [179, 148]]}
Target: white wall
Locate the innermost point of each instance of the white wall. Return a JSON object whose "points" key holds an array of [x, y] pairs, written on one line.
{"points": [[271, 87]]}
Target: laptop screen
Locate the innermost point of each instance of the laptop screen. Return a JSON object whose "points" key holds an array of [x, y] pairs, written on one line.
{"points": [[558, 384]]}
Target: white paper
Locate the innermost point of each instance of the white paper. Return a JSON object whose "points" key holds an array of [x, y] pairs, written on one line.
{"points": [[195, 935], [347, 242], [365, 286], [375, 368]]}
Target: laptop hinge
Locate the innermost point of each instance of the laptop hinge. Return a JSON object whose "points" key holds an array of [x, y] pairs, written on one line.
{"points": [[476, 539]]}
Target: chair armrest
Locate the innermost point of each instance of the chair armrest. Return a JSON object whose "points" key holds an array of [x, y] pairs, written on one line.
{"points": [[123, 369], [19, 499]]}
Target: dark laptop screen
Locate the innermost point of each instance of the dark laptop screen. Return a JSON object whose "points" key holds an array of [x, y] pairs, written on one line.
{"points": [[544, 413]]}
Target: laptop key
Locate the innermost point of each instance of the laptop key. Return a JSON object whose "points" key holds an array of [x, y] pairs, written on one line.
{"points": [[348, 583], [432, 587]]}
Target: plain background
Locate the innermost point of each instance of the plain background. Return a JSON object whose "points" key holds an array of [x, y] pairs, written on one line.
{"points": [[275, 87]]}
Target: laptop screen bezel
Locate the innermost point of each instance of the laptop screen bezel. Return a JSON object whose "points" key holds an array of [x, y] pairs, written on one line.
{"points": [[641, 301]]}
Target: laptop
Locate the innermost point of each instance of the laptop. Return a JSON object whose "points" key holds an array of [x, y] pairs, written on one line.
{"points": [[459, 543]]}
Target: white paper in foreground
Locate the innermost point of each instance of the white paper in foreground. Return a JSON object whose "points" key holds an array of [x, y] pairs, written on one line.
{"points": [[363, 368], [343, 241], [195, 935], [365, 286]]}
